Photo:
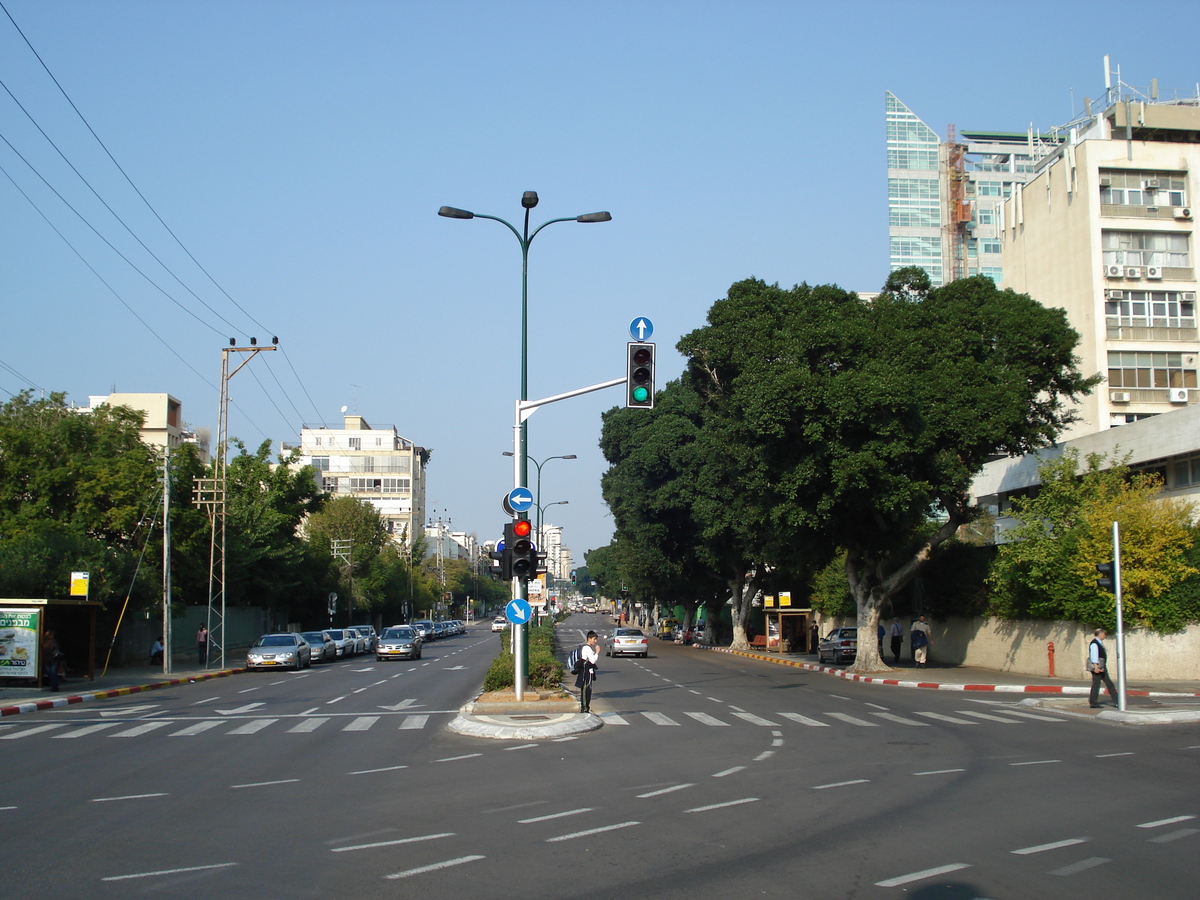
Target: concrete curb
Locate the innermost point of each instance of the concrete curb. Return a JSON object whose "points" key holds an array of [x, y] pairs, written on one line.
{"points": [[1068, 689], [1128, 717], [72, 699], [518, 728]]}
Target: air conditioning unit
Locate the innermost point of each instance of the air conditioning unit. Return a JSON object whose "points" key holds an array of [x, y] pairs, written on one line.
{"points": [[1115, 295], [1105, 181], [1154, 272], [1119, 396], [1151, 184], [1133, 272], [1178, 395], [1188, 295], [1114, 271], [1183, 212]]}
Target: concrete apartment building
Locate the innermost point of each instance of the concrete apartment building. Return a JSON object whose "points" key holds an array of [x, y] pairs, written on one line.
{"points": [[163, 425], [1096, 218], [373, 464]]}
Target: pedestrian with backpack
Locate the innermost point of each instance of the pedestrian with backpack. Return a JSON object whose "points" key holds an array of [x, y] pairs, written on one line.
{"points": [[585, 670]]}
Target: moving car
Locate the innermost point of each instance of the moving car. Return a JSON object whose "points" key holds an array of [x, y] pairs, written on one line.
{"points": [[499, 624], [840, 645], [629, 641], [279, 651], [399, 642], [322, 646]]}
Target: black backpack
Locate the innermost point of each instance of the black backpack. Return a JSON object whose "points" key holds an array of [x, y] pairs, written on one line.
{"points": [[575, 661]]}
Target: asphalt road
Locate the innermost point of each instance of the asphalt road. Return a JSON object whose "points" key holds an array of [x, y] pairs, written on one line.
{"points": [[715, 776]]}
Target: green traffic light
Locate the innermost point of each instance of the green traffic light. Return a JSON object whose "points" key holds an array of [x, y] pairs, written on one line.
{"points": [[640, 394]]}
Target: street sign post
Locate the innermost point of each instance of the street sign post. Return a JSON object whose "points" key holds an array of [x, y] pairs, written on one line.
{"points": [[520, 499], [641, 328]]}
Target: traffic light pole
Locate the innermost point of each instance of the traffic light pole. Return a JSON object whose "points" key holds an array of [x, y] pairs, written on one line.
{"points": [[1116, 532], [523, 410]]}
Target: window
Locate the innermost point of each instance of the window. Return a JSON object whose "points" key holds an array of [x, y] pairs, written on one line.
{"points": [[985, 216], [320, 463], [318, 442], [1144, 369], [1151, 309], [396, 485], [329, 485], [356, 443], [1186, 471], [1131, 187], [1146, 248], [365, 485], [991, 189], [990, 246], [996, 273], [901, 158]]}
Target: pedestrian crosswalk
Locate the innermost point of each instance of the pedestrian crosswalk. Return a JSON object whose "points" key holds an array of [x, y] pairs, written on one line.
{"points": [[306, 724]]}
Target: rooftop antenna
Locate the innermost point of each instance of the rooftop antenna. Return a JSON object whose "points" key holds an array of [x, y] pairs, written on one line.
{"points": [[1107, 74]]}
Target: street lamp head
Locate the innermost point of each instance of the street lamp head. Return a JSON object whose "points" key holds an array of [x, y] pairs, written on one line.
{"points": [[507, 453], [451, 212], [571, 456], [595, 217], [529, 199]]}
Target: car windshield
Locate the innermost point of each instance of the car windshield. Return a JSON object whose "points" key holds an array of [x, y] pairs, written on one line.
{"points": [[628, 632], [277, 640], [398, 634], [313, 637]]}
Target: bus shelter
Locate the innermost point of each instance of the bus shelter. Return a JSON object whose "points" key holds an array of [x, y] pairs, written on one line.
{"points": [[787, 625], [23, 624]]}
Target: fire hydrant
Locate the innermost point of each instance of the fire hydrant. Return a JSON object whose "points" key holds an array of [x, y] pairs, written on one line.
{"points": [[1050, 653]]}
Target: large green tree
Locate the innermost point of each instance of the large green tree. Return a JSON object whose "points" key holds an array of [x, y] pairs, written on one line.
{"points": [[849, 422]]}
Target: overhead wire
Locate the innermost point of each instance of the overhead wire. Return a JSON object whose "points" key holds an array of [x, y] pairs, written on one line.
{"points": [[24, 378]]}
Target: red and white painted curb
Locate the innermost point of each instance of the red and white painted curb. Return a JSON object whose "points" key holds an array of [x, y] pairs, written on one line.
{"points": [[1071, 689], [72, 699]]}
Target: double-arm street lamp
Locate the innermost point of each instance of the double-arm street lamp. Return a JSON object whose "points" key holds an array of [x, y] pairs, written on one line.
{"points": [[525, 237], [537, 497]]}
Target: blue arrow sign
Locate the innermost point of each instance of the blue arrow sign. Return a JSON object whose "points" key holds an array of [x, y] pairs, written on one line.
{"points": [[520, 499], [641, 328], [518, 611]]}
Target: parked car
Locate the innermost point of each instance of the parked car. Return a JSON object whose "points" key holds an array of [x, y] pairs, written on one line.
{"points": [[343, 641], [399, 642], [279, 651], [441, 630], [629, 641], [499, 624], [425, 626], [840, 645], [366, 638], [322, 646]]}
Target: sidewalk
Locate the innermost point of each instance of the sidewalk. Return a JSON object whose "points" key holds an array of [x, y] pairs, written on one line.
{"points": [[116, 683], [1146, 703]]}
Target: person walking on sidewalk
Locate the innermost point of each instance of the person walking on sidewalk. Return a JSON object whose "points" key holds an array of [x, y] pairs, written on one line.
{"points": [[897, 639], [587, 672], [918, 638], [1098, 666], [202, 645]]}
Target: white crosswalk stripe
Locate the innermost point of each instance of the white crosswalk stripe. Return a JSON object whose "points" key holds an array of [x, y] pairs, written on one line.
{"points": [[253, 726], [851, 720], [941, 718], [706, 719], [198, 728], [139, 730], [659, 718], [892, 717], [804, 720], [86, 730], [755, 720], [40, 729], [307, 725], [362, 723], [413, 722], [611, 718], [987, 716]]}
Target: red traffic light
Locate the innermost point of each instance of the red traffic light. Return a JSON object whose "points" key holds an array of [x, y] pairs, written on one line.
{"points": [[521, 528]]}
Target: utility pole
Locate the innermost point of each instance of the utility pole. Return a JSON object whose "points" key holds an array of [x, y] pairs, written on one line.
{"points": [[344, 550], [166, 566]]}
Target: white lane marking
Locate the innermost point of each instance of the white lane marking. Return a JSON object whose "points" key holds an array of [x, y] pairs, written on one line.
{"points": [[241, 709], [756, 720], [396, 707], [722, 805], [1161, 822], [590, 831], [722, 774], [1174, 835], [361, 689], [433, 868], [988, 716], [194, 729], [128, 797], [666, 790], [846, 717], [263, 783], [36, 730], [335, 700], [821, 787], [737, 709], [253, 689], [207, 700], [804, 720], [777, 742], [88, 729], [1028, 715], [411, 840], [140, 730], [412, 722], [126, 710], [706, 719], [373, 771], [6, 808], [940, 772], [1042, 848], [362, 723], [557, 815], [1110, 755], [309, 712], [167, 872], [918, 876], [659, 718], [253, 726], [1036, 762], [939, 717], [306, 726], [714, 699], [1080, 866], [611, 718], [877, 706], [766, 754], [892, 717], [457, 758], [694, 692], [521, 747]]}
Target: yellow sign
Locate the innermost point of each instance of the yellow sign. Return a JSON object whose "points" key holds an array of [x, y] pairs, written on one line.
{"points": [[768, 600], [79, 584], [785, 598]]}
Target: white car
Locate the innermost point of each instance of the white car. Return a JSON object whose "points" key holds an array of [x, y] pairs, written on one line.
{"points": [[499, 624]]}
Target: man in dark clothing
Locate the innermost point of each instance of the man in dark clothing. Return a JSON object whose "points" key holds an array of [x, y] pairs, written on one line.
{"points": [[589, 657], [1098, 666]]}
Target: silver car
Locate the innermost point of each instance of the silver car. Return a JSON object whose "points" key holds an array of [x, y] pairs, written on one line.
{"points": [[343, 640], [399, 642], [279, 651], [322, 645]]}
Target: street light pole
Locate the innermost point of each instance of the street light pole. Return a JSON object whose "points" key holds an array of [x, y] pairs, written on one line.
{"points": [[538, 494]]}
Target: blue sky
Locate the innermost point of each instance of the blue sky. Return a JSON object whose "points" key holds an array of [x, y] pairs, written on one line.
{"points": [[300, 151]]}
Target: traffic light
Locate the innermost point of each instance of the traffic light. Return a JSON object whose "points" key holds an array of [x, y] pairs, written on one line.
{"points": [[518, 546], [1105, 581], [499, 562], [639, 376]]}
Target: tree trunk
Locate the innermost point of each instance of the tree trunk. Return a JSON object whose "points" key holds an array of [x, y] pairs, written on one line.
{"points": [[742, 591]]}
